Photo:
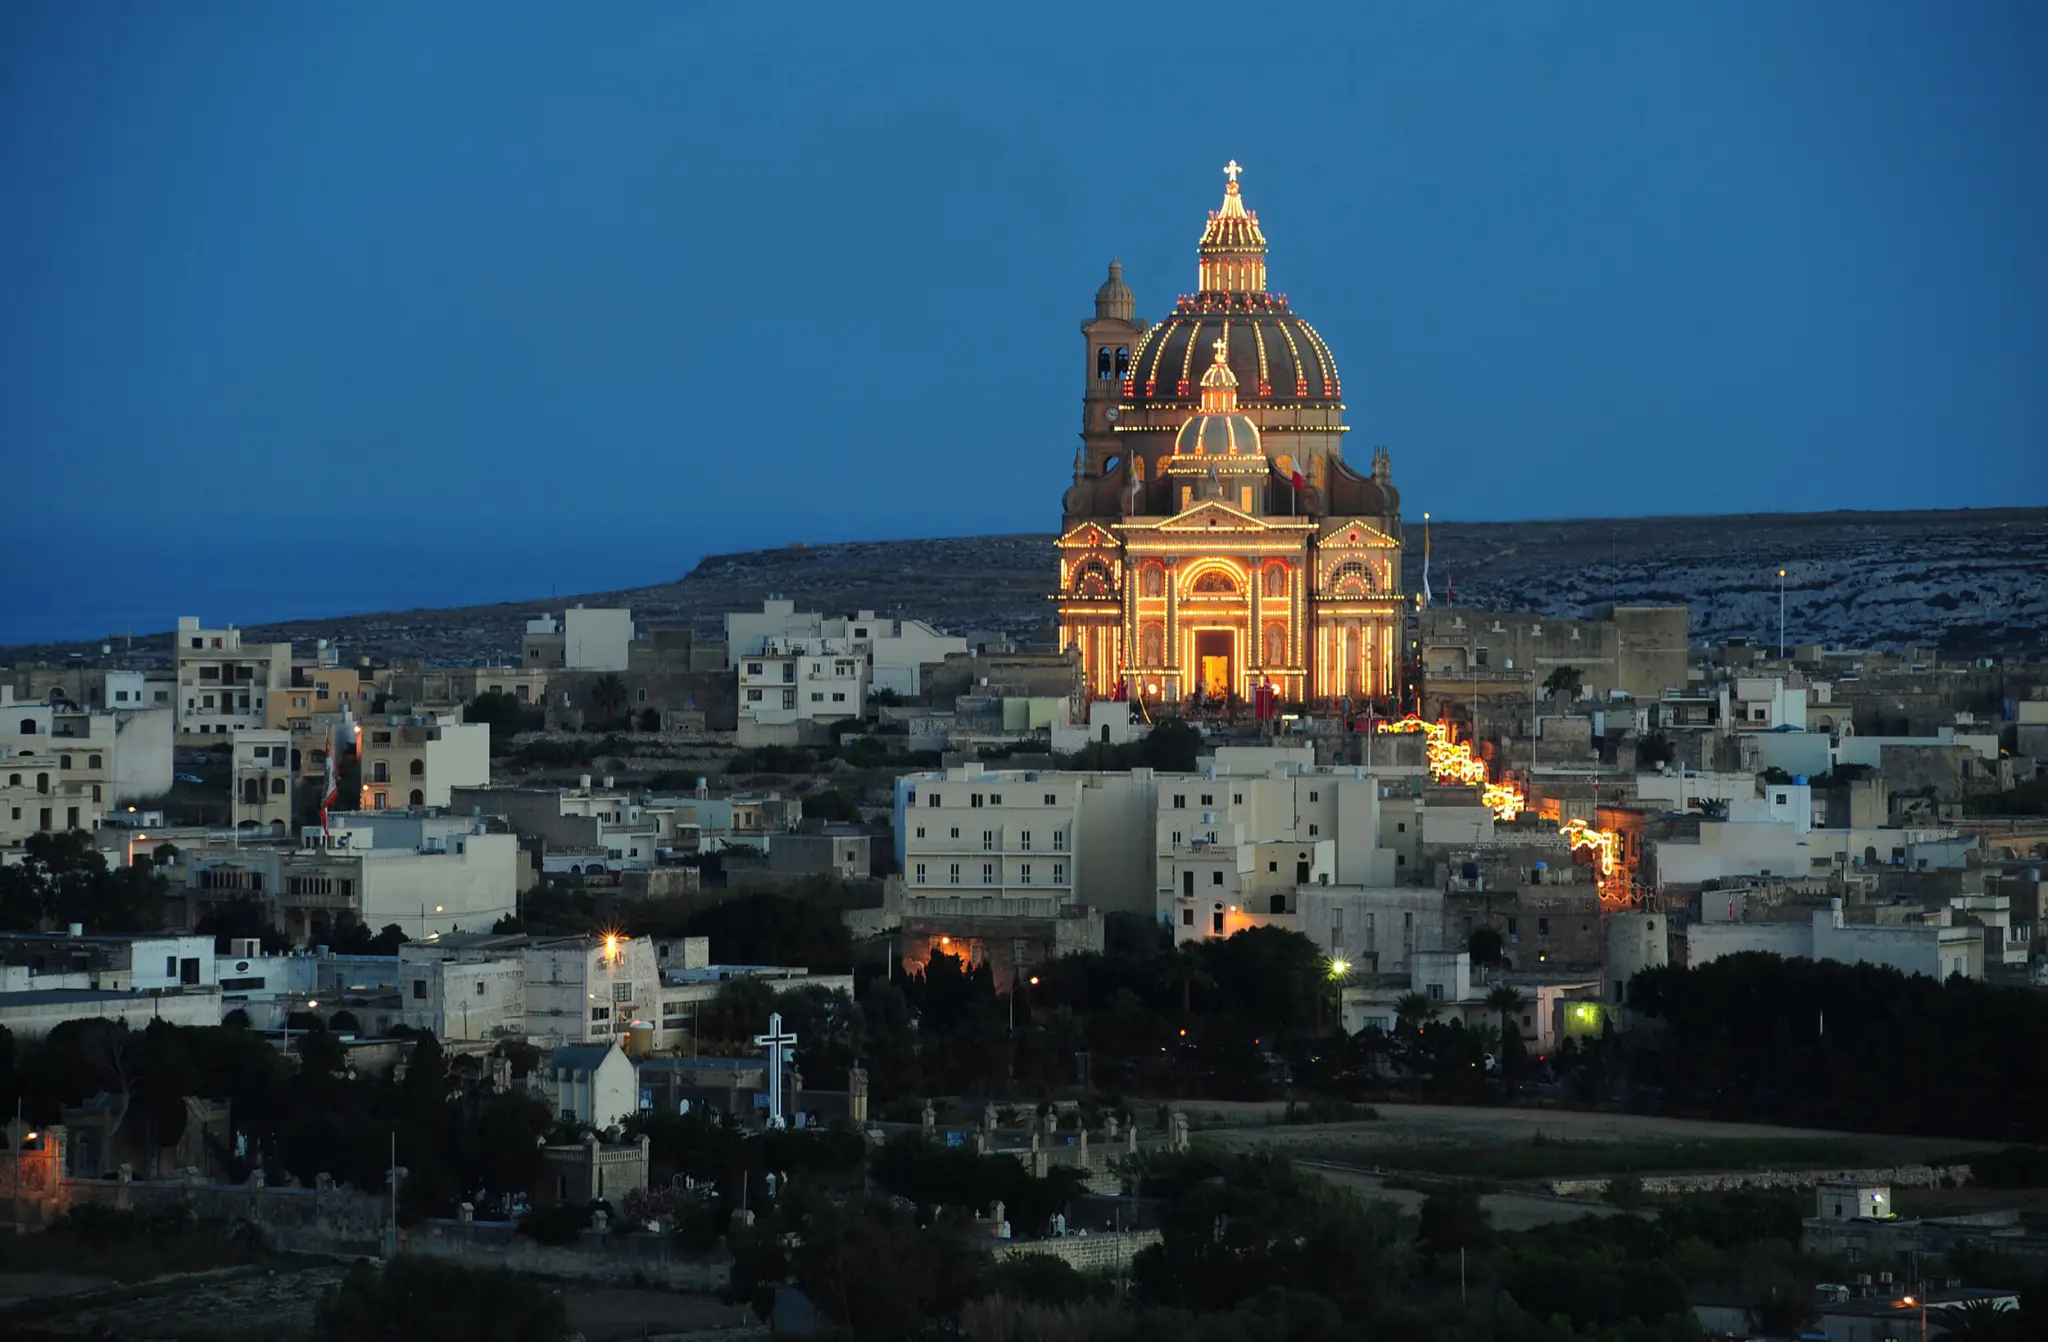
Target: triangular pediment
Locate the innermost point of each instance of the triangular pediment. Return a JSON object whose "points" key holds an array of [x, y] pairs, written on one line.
{"points": [[1352, 534], [1087, 536]]}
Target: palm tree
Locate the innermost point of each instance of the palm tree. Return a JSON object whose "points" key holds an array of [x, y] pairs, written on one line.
{"points": [[1979, 1321], [608, 696], [1508, 1001], [1413, 1011]]}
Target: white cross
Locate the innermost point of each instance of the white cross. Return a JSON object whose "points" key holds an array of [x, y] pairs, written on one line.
{"points": [[1231, 170], [1221, 349], [775, 1041]]}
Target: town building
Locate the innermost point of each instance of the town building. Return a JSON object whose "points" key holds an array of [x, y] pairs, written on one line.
{"points": [[1468, 652], [260, 780], [1935, 947], [416, 760], [426, 874], [590, 990], [1214, 540], [897, 652], [793, 681], [112, 962], [584, 639], [57, 767], [591, 1084], [224, 685], [34, 1013], [462, 992]]}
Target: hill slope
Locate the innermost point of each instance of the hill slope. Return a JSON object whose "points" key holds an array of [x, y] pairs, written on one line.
{"points": [[1972, 582]]}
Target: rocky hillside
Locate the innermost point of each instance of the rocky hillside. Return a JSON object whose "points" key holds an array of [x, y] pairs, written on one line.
{"points": [[1972, 582]]}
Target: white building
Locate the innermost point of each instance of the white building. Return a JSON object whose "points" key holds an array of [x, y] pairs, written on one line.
{"points": [[57, 768], [1935, 949], [584, 639], [895, 651], [582, 990], [802, 680], [1775, 834], [462, 995], [33, 1014], [592, 1084], [223, 685], [114, 962]]}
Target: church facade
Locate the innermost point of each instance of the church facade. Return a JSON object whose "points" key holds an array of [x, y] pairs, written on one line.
{"points": [[1215, 542]]}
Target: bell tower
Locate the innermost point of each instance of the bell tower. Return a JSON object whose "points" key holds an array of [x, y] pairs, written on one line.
{"points": [[1111, 337]]}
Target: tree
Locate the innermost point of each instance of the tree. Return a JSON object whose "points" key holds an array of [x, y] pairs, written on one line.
{"points": [[1564, 683], [502, 712], [608, 697], [1507, 1000], [1452, 1219], [832, 805], [1413, 1010], [1187, 972]]}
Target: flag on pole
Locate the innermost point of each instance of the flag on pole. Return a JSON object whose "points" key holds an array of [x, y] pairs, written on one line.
{"points": [[1427, 597]]}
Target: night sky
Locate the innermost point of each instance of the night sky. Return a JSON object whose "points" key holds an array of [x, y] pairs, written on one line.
{"points": [[318, 308]]}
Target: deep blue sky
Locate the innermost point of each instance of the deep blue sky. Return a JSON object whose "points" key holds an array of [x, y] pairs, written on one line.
{"points": [[312, 308]]}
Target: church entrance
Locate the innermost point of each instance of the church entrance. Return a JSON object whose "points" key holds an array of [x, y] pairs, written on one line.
{"points": [[1213, 649]]}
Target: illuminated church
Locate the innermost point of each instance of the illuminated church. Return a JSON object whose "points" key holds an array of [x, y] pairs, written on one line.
{"points": [[1214, 540]]}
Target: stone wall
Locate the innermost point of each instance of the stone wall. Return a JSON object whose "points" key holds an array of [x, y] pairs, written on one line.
{"points": [[1897, 1176], [338, 1213], [1084, 1253]]}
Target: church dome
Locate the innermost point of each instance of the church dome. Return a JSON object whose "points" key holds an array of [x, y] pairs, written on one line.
{"points": [[1278, 359], [1219, 428]]}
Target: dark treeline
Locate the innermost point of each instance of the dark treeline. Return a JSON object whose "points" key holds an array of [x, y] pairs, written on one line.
{"points": [[1764, 1039]]}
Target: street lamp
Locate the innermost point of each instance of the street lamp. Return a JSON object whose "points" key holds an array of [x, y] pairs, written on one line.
{"points": [[1781, 615], [1910, 1302]]}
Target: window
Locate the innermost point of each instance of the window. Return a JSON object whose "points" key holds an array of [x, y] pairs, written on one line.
{"points": [[598, 1013], [1024, 840], [1315, 796], [1314, 830], [1512, 926], [1180, 802], [1272, 866], [419, 990], [974, 801], [753, 696], [1051, 800], [988, 873], [1187, 917], [96, 790], [1215, 878], [995, 799], [955, 877], [380, 772], [64, 761], [479, 987], [1436, 992], [956, 831], [417, 769], [817, 697], [935, 799], [416, 798], [1059, 841], [1059, 872], [1024, 874], [1400, 827], [1208, 799], [1176, 838], [838, 698], [920, 873], [920, 831], [93, 762], [170, 966], [753, 668], [1542, 927], [988, 841]]}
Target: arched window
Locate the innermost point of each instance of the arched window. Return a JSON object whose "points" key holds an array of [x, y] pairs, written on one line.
{"points": [[1350, 578], [1123, 362], [42, 782], [1103, 367], [1215, 582], [93, 762], [1092, 579], [64, 762], [1279, 904], [28, 726], [277, 787], [419, 768], [418, 798]]}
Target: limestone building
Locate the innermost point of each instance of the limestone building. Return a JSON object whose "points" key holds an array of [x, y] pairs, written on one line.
{"points": [[1214, 541]]}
